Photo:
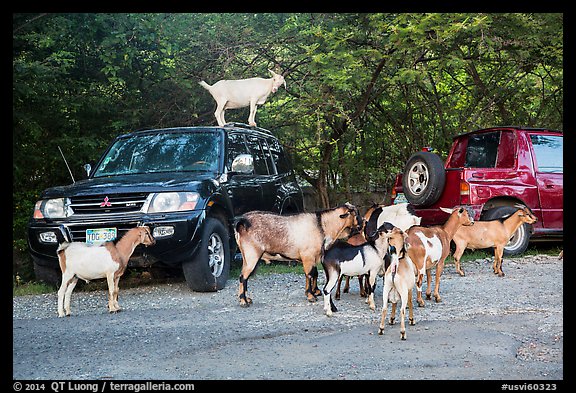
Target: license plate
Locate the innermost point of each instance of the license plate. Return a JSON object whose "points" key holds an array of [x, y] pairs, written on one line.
{"points": [[400, 198], [100, 235]]}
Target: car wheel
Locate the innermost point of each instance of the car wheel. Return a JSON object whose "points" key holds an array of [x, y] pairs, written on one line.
{"points": [[208, 271], [423, 178], [519, 241]]}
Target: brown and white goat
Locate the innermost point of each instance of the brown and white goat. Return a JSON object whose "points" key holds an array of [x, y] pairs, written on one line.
{"points": [[494, 233], [79, 260], [364, 260], [429, 247], [300, 237], [401, 215], [399, 280], [240, 93]]}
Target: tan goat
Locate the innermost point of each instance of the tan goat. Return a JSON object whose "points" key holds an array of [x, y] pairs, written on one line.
{"points": [[300, 237], [429, 247], [109, 260], [494, 233], [240, 93], [399, 280]]}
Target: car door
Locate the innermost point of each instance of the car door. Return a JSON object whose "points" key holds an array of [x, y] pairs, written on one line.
{"points": [[264, 172], [549, 172], [244, 190]]}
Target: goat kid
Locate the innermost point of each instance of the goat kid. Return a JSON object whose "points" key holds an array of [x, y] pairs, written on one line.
{"points": [[399, 280], [367, 259], [300, 237], [401, 215], [79, 260], [240, 93], [429, 247], [494, 233]]}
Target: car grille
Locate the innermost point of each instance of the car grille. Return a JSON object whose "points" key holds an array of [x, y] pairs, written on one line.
{"points": [[111, 203]]}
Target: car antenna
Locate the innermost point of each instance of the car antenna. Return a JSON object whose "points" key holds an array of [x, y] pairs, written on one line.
{"points": [[67, 166]]}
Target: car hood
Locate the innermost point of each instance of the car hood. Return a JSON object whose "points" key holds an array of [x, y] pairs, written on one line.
{"points": [[149, 182]]}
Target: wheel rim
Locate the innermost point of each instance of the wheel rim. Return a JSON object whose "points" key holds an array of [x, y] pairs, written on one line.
{"points": [[216, 254], [418, 178], [516, 239]]}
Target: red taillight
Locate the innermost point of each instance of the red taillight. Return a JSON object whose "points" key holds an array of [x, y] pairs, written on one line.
{"points": [[464, 192]]}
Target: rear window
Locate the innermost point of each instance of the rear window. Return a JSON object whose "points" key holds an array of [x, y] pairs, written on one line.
{"points": [[494, 149]]}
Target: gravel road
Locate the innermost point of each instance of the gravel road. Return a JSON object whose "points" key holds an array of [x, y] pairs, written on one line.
{"points": [[486, 327]]}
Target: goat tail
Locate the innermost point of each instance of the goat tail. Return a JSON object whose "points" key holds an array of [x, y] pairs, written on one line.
{"points": [[204, 85], [62, 247]]}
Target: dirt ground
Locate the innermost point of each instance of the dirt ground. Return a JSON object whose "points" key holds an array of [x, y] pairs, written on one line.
{"points": [[486, 328]]}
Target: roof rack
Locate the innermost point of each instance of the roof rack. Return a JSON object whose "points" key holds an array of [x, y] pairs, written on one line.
{"points": [[244, 125]]}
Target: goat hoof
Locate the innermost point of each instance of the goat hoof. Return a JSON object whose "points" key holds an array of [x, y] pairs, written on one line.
{"points": [[421, 304], [380, 331], [411, 321], [245, 302], [402, 335], [392, 321], [428, 296], [461, 273], [317, 292], [312, 299], [438, 299]]}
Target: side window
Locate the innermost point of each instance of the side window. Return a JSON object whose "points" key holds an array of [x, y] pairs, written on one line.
{"points": [[482, 150], [262, 165], [549, 153], [506, 150], [278, 156], [236, 146]]}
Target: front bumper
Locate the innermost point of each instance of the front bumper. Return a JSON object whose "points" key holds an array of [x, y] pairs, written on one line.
{"points": [[171, 250]]}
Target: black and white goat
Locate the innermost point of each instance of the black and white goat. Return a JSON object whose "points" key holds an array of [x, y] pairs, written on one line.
{"points": [[344, 259]]}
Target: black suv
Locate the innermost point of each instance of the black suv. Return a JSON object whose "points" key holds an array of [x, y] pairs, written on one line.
{"points": [[187, 184]]}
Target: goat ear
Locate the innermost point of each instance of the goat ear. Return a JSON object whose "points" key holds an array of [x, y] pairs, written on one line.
{"points": [[446, 210]]}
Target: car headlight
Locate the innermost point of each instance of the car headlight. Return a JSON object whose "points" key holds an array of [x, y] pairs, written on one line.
{"points": [[163, 202], [52, 208]]}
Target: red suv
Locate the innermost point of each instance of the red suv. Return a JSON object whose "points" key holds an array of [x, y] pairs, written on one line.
{"points": [[489, 171]]}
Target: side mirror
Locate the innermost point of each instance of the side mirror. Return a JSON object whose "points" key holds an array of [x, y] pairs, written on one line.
{"points": [[88, 169], [244, 164]]}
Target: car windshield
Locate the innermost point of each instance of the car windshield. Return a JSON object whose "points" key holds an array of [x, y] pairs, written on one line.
{"points": [[164, 152]]}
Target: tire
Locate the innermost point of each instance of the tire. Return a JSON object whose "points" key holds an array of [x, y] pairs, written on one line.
{"points": [[519, 241], [47, 274], [208, 271], [423, 179]]}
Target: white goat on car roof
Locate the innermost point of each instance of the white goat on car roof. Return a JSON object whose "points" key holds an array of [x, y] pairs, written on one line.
{"points": [[240, 93]]}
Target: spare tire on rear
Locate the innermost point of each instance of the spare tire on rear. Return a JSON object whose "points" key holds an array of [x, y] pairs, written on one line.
{"points": [[423, 178]]}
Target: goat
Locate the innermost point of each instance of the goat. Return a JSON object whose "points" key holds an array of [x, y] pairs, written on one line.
{"points": [[367, 259], [429, 247], [240, 93], [302, 237], [494, 233], [402, 216], [399, 280], [79, 260]]}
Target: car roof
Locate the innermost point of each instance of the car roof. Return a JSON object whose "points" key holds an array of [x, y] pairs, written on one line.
{"points": [[520, 128], [227, 127]]}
